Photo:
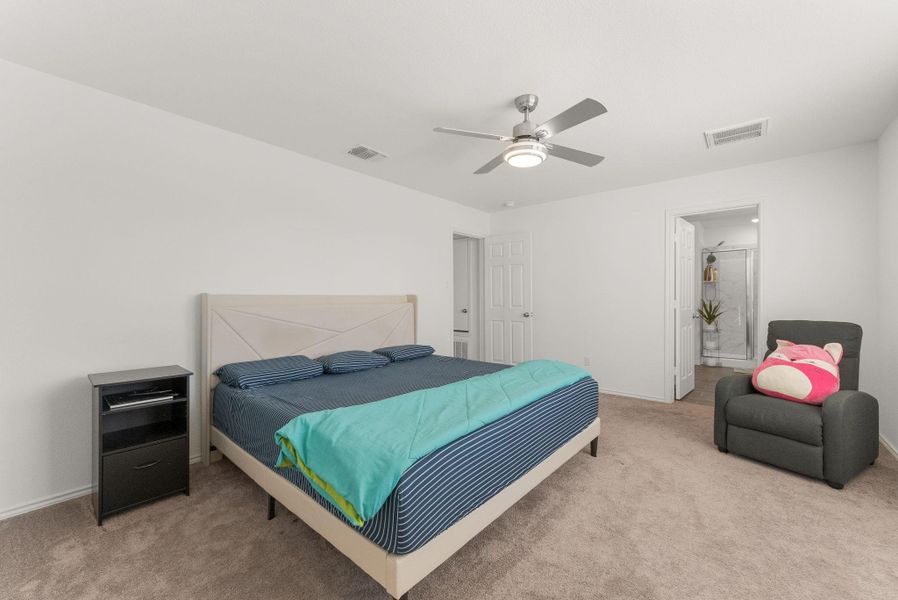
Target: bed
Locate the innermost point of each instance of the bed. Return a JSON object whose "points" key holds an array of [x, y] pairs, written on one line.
{"points": [[445, 498]]}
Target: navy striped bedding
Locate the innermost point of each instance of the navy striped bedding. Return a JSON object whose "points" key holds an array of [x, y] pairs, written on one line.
{"points": [[269, 371], [445, 485], [352, 360], [406, 352]]}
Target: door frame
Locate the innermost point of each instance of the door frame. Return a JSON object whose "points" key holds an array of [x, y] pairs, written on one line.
{"points": [[478, 296], [671, 215]]}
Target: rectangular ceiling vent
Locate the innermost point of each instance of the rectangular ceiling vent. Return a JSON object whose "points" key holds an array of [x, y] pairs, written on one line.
{"points": [[366, 153], [736, 133]]}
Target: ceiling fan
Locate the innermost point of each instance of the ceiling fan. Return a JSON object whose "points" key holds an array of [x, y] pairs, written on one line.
{"points": [[528, 146]]}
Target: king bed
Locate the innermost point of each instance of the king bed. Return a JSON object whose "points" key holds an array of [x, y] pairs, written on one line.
{"points": [[446, 497]]}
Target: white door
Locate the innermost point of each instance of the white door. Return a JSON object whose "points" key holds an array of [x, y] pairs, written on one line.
{"points": [[461, 264], [684, 299], [507, 299]]}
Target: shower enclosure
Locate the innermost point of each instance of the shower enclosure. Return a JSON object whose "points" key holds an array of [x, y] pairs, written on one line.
{"points": [[729, 277]]}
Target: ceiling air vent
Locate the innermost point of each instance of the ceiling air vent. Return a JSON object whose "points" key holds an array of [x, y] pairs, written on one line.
{"points": [[736, 133], [366, 153]]}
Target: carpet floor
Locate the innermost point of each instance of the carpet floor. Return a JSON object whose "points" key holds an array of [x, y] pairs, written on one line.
{"points": [[659, 515]]}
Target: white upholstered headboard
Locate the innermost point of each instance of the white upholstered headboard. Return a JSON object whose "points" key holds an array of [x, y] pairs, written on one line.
{"points": [[240, 328]]}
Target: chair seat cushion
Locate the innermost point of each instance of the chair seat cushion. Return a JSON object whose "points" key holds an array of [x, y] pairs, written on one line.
{"points": [[792, 420]]}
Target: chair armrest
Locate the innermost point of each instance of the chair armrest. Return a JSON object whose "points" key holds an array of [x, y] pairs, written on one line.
{"points": [[727, 387], [850, 434]]}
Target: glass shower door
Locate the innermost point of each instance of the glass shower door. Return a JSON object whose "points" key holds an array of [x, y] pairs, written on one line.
{"points": [[733, 287]]}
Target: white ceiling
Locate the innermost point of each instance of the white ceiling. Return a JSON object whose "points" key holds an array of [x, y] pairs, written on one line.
{"points": [[318, 77]]}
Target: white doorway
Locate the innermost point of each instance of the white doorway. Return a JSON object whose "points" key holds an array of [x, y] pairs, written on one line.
{"points": [[467, 296], [713, 300], [508, 299]]}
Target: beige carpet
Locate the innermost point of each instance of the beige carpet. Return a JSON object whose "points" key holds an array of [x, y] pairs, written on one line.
{"points": [[661, 514]]}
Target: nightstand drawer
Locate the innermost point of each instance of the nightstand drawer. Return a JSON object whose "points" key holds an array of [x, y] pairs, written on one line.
{"points": [[144, 473]]}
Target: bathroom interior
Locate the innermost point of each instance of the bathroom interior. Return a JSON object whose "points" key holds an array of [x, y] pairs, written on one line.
{"points": [[726, 288]]}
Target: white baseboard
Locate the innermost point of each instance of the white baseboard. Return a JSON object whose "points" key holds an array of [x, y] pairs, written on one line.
{"points": [[44, 502], [57, 498], [889, 447], [631, 395]]}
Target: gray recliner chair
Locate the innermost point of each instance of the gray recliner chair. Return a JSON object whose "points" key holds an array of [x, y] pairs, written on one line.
{"points": [[833, 442]]}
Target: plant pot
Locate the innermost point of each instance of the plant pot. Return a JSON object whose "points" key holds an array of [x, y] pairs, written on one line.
{"points": [[710, 337]]}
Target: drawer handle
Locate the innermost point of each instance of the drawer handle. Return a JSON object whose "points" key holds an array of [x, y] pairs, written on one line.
{"points": [[152, 463]]}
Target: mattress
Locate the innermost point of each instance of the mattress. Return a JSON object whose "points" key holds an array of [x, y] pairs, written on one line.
{"points": [[444, 486]]}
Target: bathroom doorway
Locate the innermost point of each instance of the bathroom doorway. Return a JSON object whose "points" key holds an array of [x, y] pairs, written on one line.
{"points": [[714, 284]]}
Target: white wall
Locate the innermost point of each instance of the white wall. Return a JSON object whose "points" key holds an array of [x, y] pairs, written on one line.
{"points": [[116, 216], [886, 379], [732, 234], [598, 266]]}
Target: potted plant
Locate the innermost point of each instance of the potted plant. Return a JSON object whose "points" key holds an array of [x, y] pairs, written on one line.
{"points": [[710, 313]]}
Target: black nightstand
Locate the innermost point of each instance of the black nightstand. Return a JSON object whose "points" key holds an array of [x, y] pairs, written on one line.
{"points": [[141, 442]]}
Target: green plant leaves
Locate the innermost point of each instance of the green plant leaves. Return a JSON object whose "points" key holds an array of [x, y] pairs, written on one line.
{"points": [[710, 311]]}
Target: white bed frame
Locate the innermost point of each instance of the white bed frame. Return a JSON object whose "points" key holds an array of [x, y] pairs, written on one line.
{"points": [[238, 328]]}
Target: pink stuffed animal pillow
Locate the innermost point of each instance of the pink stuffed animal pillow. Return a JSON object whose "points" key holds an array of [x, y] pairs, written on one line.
{"points": [[799, 372]]}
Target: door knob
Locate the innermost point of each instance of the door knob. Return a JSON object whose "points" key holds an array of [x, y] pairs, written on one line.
{"points": [[528, 315], [464, 311]]}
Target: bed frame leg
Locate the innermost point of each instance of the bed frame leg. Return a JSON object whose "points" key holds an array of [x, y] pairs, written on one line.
{"points": [[271, 510], [594, 447]]}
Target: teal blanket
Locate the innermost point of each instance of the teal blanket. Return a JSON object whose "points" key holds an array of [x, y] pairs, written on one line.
{"points": [[354, 456]]}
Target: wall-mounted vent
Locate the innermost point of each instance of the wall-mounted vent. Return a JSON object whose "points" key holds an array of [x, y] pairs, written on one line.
{"points": [[366, 153], [736, 133], [460, 349]]}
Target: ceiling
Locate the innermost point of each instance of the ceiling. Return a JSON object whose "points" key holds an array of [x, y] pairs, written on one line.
{"points": [[318, 77]]}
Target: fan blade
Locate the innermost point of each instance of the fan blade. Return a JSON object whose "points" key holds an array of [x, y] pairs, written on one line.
{"points": [[578, 113], [578, 156], [490, 165], [476, 134]]}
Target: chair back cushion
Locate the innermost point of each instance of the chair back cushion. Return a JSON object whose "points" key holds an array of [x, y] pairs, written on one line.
{"points": [[820, 333]]}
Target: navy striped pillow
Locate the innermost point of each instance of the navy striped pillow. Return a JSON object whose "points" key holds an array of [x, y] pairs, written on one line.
{"points": [[352, 360], [258, 373], [406, 352]]}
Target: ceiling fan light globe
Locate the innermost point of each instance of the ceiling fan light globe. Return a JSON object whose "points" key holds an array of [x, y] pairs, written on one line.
{"points": [[524, 161], [524, 155]]}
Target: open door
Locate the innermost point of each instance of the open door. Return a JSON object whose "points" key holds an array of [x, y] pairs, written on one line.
{"points": [[467, 297], [508, 316], [684, 299]]}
